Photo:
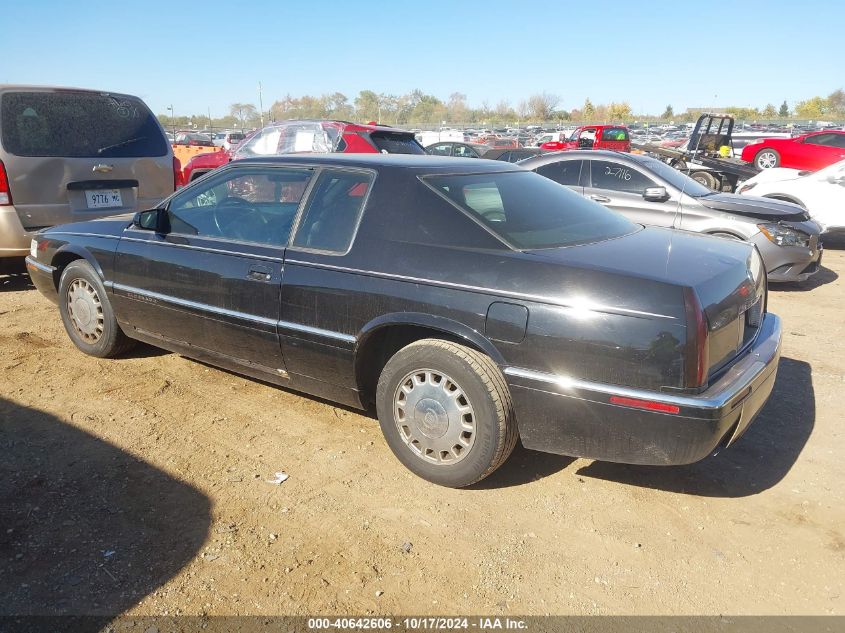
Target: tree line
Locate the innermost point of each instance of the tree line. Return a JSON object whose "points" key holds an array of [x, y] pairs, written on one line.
{"points": [[420, 109]]}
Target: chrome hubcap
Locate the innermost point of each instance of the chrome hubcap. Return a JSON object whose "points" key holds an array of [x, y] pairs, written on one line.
{"points": [[435, 418], [85, 310], [766, 160]]}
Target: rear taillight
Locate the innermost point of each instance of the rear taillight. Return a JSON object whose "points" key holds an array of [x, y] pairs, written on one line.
{"points": [[5, 192], [696, 357], [178, 176]]}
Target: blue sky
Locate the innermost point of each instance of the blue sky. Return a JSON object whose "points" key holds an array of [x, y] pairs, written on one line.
{"points": [[200, 55]]}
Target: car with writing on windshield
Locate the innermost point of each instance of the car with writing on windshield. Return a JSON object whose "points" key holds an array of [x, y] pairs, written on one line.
{"points": [[648, 191], [71, 154], [296, 136], [467, 307]]}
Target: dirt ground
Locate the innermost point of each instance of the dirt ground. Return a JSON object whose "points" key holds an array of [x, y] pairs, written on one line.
{"points": [[141, 485]]}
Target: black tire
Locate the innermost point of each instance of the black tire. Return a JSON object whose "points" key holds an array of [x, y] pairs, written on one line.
{"points": [[768, 157], [89, 319], [705, 178], [475, 376]]}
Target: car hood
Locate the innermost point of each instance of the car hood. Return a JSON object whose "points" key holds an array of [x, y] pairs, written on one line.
{"points": [[755, 207], [112, 225]]}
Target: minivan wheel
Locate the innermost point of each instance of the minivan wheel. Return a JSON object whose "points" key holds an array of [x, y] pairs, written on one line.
{"points": [[446, 412], [767, 159], [87, 313]]}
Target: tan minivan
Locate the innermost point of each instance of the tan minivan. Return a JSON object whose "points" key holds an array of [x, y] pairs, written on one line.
{"points": [[69, 155]]}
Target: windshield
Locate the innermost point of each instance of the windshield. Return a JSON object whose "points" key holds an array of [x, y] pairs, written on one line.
{"points": [[677, 179], [529, 211]]}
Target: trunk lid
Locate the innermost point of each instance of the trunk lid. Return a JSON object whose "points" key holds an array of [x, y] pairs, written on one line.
{"points": [[727, 277]]}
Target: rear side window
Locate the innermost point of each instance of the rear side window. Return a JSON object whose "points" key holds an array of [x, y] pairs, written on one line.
{"points": [[79, 125], [528, 211], [396, 143], [332, 214], [565, 172], [614, 134]]}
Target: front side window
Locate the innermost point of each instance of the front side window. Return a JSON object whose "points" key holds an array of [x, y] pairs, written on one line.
{"points": [[617, 177], [822, 139], [333, 211], [444, 149], [465, 152], [529, 211], [243, 204], [79, 125], [565, 172]]}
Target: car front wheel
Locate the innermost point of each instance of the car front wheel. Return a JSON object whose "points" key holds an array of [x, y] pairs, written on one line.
{"points": [[446, 413], [767, 159], [87, 313]]}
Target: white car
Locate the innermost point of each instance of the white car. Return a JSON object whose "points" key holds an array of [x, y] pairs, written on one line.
{"points": [[821, 192]]}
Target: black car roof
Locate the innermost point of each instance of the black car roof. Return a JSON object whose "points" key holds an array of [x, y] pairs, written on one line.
{"points": [[422, 162]]}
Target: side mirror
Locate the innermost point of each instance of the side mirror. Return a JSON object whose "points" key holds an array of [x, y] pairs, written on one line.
{"points": [[837, 179], [655, 194], [152, 220]]}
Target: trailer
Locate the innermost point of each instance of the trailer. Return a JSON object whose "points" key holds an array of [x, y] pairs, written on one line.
{"points": [[707, 156]]}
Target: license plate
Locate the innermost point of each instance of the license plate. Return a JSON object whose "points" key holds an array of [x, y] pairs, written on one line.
{"points": [[103, 199]]}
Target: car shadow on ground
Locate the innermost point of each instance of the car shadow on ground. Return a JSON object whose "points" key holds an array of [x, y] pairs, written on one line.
{"points": [[756, 462], [524, 466], [87, 528], [822, 277], [15, 282]]}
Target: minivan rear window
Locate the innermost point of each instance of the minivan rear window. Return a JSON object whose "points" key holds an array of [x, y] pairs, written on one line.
{"points": [[395, 143], [78, 125]]}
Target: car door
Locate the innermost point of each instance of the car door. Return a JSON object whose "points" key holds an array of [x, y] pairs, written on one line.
{"points": [[821, 150], [319, 315], [211, 278], [565, 172], [620, 187]]}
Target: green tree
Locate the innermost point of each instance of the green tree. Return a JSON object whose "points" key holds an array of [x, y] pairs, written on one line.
{"points": [[367, 105], [668, 113], [836, 103], [619, 111], [588, 111], [541, 107], [245, 113], [784, 110], [769, 112], [813, 108]]}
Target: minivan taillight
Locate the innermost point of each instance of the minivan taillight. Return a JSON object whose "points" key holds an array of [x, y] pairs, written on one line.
{"points": [[177, 174], [696, 357], [5, 192]]}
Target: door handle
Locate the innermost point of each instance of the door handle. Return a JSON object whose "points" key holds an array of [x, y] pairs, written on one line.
{"points": [[602, 199], [259, 273]]}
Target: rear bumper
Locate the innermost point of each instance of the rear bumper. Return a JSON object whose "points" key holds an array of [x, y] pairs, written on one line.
{"points": [[571, 417], [14, 239]]}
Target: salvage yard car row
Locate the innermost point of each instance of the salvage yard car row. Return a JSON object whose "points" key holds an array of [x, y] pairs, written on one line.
{"points": [[468, 303]]}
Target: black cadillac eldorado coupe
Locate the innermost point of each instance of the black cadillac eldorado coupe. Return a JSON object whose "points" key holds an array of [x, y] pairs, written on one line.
{"points": [[470, 302]]}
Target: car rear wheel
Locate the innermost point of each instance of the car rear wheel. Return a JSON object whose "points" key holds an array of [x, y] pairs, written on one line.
{"points": [[446, 413], [767, 159], [87, 313]]}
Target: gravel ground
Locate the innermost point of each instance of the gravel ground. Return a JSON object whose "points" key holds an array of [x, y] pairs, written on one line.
{"points": [[141, 485]]}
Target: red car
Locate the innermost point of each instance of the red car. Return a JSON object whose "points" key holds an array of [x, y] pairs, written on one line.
{"points": [[809, 151], [285, 137], [613, 137]]}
